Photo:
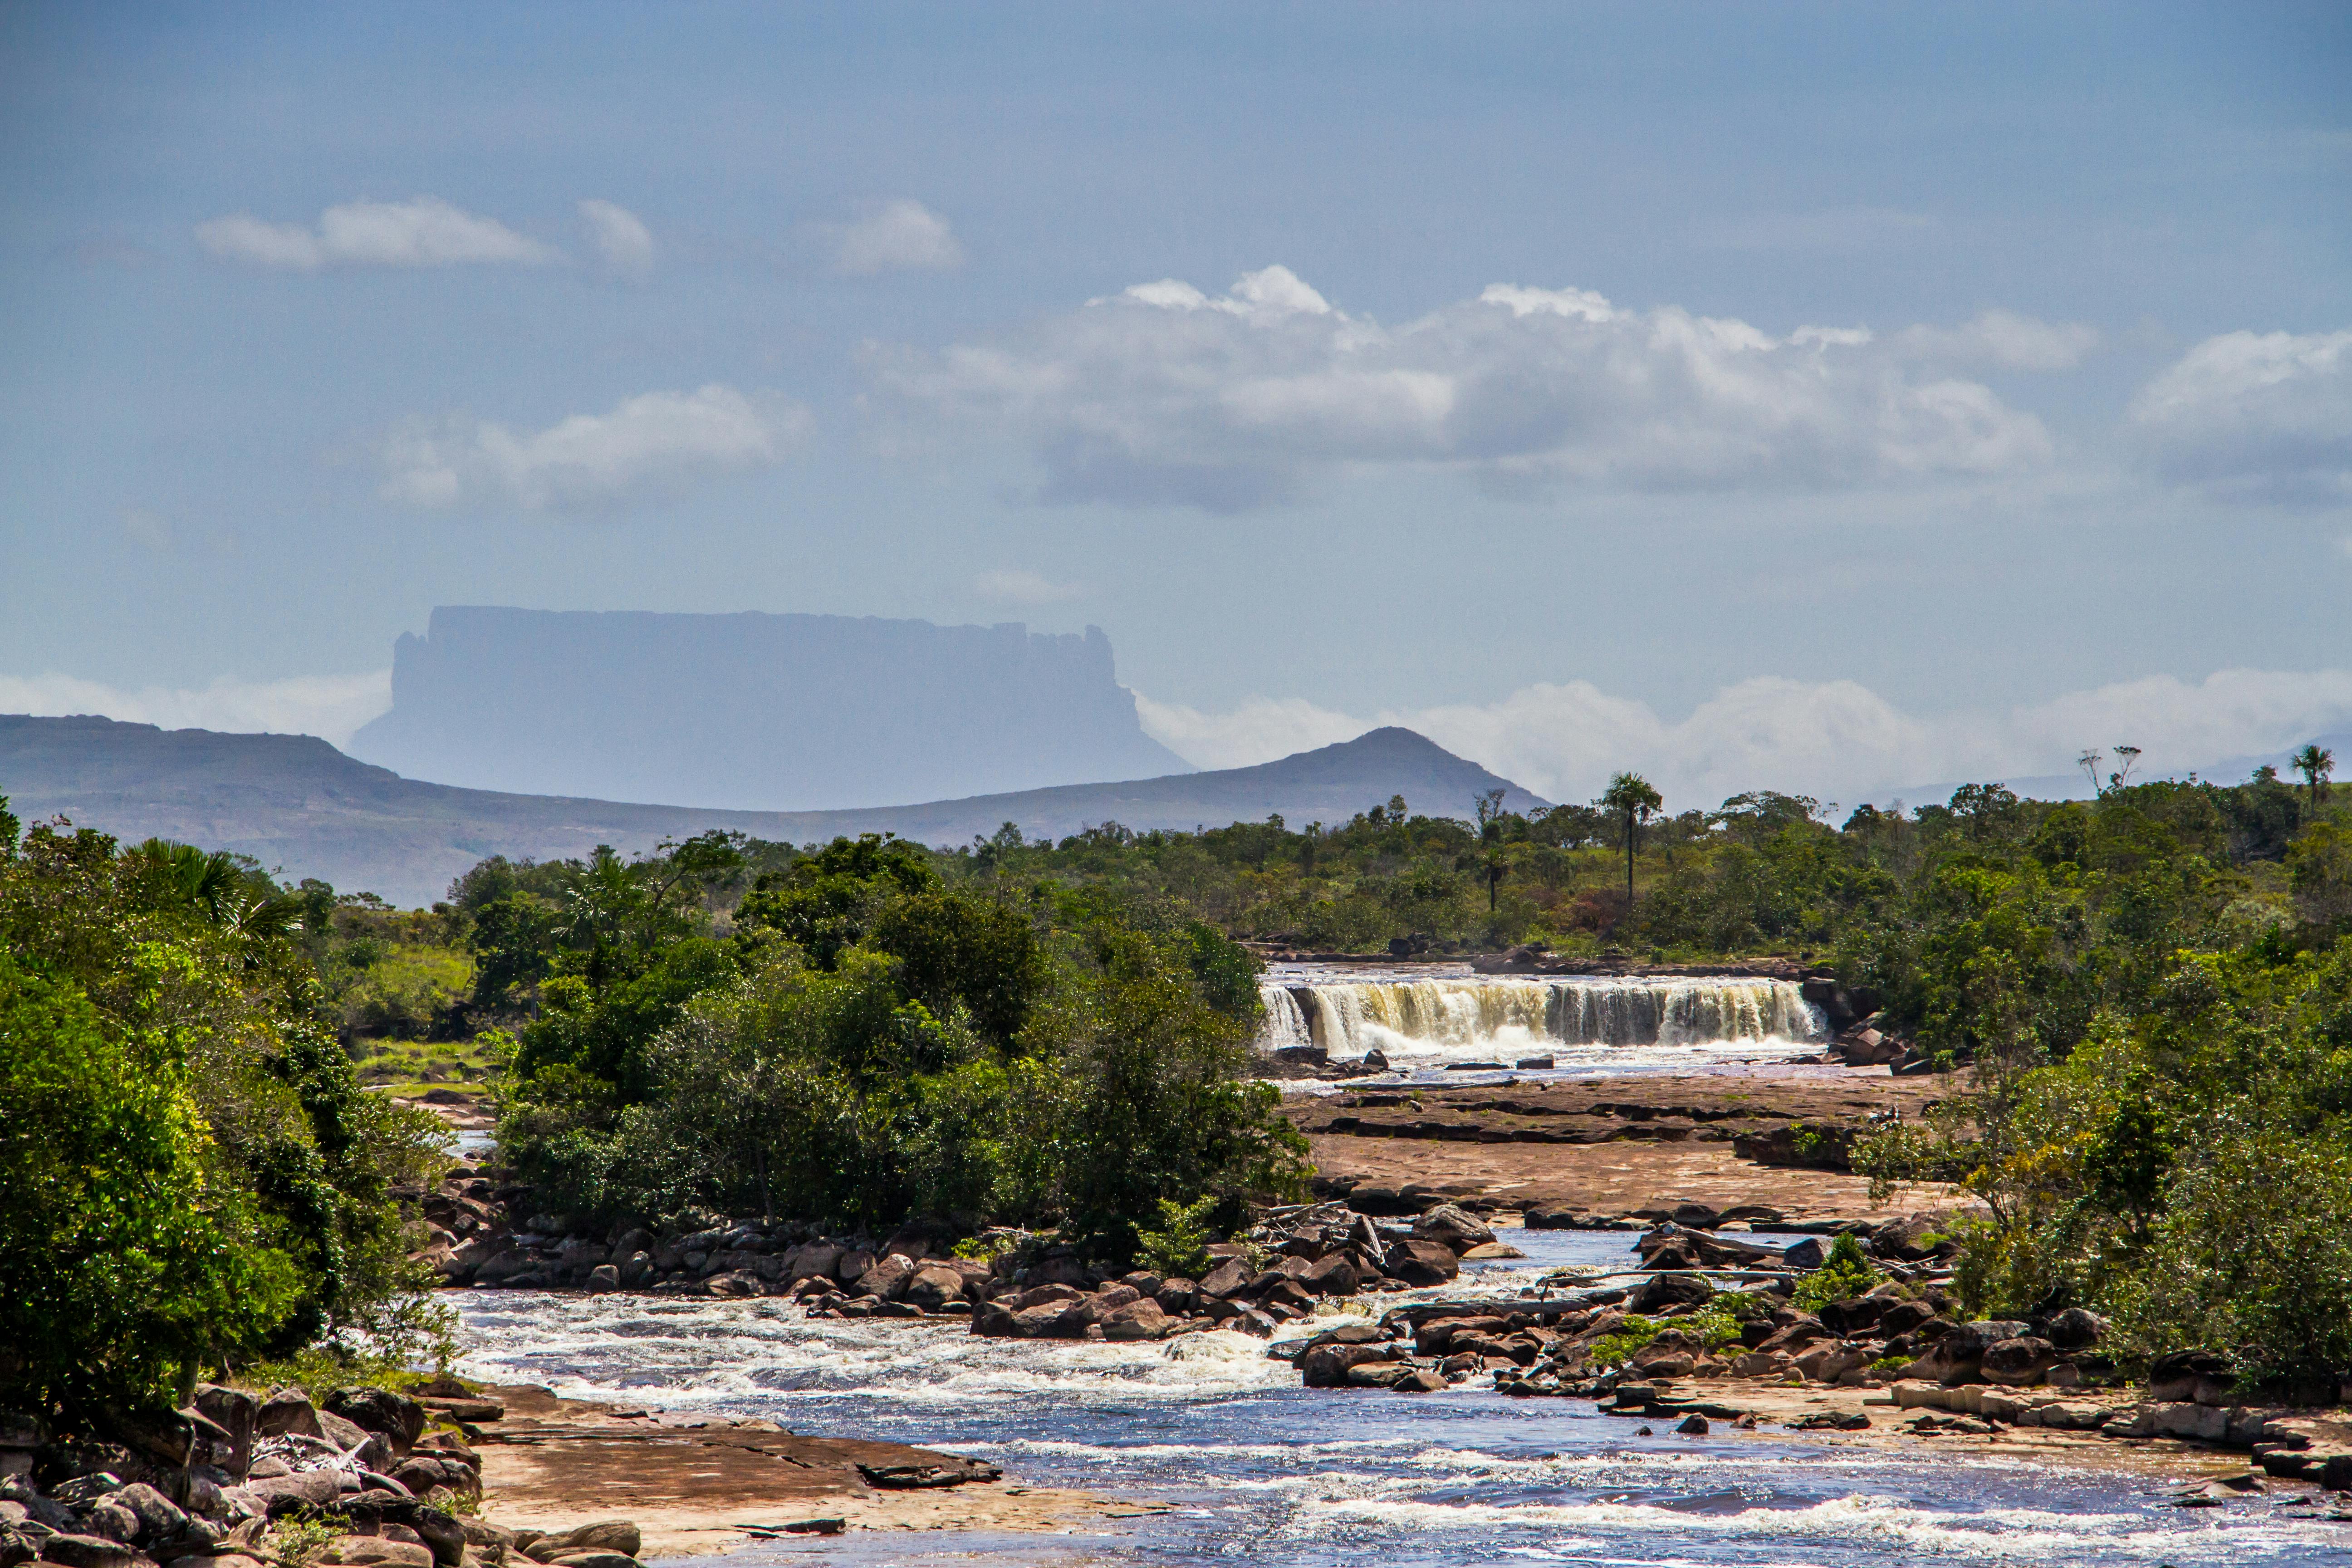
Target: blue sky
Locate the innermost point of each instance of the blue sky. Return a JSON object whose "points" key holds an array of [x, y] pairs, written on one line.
{"points": [[1824, 397]]}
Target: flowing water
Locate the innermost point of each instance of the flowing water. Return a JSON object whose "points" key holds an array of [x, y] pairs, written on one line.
{"points": [[1431, 1021], [1258, 1468]]}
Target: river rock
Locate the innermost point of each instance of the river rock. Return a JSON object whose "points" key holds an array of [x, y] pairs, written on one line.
{"points": [[1454, 1226], [1138, 1320], [595, 1560], [853, 1266], [85, 1551], [1660, 1290], [932, 1287], [2017, 1363], [1422, 1263], [288, 1410], [375, 1552], [111, 1521], [1808, 1254], [1227, 1277], [157, 1517], [887, 1279], [619, 1535], [2199, 1376], [1331, 1276], [1326, 1366], [2076, 1329], [397, 1417]]}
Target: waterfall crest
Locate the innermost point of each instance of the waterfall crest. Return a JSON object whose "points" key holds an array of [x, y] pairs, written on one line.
{"points": [[1447, 1016]]}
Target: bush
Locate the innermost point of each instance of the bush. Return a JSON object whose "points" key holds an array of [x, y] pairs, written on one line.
{"points": [[1844, 1275]]}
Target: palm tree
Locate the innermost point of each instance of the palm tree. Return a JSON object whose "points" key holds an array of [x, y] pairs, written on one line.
{"points": [[2314, 763], [1637, 798]]}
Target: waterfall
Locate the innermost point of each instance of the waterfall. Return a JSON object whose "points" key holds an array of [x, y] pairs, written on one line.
{"points": [[1450, 1016]]}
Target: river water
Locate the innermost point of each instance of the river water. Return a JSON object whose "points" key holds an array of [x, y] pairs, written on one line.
{"points": [[1259, 1470]]}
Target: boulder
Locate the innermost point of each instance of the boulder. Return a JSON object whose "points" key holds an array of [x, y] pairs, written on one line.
{"points": [[235, 1412], [2017, 1363], [1228, 1276], [110, 1519], [2197, 1376], [852, 1266], [2075, 1329], [1099, 1306], [1331, 1276], [887, 1279], [343, 1434], [85, 1551], [1454, 1226], [288, 1410], [158, 1517], [1138, 1320], [1179, 1298], [603, 1278], [595, 1560], [814, 1260], [1808, 1254], [395, 1415], [370, 1551], [931, 1287], [1422, 1263], [618, 1535], [1661, 1291]]}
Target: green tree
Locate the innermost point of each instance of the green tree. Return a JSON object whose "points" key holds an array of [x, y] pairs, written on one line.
{"points": [[2317, 763], [1637, 800]]}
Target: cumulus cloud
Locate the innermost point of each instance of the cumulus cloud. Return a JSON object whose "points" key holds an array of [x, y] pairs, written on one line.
{"points": [[2256, 416], [1018, 585], [330, 706], [1166, 392], [620, 237], [900, 236], [2006, 339], [1835, 740], [424, 232], [661, 439]]}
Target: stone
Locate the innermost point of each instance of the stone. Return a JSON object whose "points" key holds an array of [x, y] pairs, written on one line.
{"points": [[2076, 1329], [344, 1434], [1670, 1291], [1228, 1278], [85, 1551], [1692, 1426], [603, 1278], [887, 1279], [1179, 1298], [288, 1410], [852, 1266], [597, 1560], [110, 1520], [1454, 1226], [1328, 1366], [2201, 1376], [158, 1517], [1331, 1276], [932, 1287], [1422, 1263], [620, 1536], [1807, 1254], [356, 1551], [395, 1415], [2184, 1419], [1140, 1320], [1421, 1380], [2016, 1362]]}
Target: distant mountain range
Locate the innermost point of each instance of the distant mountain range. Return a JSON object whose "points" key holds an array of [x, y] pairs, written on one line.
{"points": [[753, 711], [297, 805]]}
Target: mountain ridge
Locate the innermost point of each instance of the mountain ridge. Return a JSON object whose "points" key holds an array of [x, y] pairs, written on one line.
{"points": [[296, 803]]}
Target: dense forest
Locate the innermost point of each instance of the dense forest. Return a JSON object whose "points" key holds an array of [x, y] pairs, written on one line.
{"points": [[2146, 999]]}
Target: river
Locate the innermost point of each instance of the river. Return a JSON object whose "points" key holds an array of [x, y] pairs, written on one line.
{"points": [[1258, 1468]]}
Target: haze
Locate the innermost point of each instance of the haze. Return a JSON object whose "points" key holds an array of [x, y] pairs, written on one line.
{"points": [[1833, 399]]}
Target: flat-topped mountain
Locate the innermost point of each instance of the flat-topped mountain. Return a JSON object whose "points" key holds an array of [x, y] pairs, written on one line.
{"points": [[753, 711], [294, 802]]}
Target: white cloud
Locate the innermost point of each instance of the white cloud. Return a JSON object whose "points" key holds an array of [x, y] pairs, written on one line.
{"points": [[2257, 415], [1259, 731], [620, 237], [1164, 393], [1018, 585], [899, 236], [2006, 339], [1835, 740], [330, 706], [423, 232], [658, 438]]}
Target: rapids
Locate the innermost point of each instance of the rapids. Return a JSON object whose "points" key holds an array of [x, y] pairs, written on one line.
{"points": [[1257, 1467]]}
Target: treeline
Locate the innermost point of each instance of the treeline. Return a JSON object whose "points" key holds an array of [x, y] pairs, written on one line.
{"points": [[191, 1178], [859, 1041]]}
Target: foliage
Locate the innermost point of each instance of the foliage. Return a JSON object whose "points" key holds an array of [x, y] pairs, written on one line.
{"points": [[1623, 1342], [1179, 1249], [190, 1173], [1844, 1275]]}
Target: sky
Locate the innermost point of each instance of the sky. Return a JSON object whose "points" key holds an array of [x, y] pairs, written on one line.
{"points": [[1820, 397]]}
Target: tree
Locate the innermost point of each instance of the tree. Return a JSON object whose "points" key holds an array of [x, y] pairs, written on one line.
{"points": [[2314, 763], [1636, 799]]}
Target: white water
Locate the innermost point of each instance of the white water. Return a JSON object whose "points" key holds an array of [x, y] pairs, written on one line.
{"points": [[1258, 1468], [1432, 1018]]}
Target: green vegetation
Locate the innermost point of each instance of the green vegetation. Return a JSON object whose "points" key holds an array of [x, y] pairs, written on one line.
{"points": [[1845, 1274], [863, 1042], [1620, 1346], [190, 1174]]}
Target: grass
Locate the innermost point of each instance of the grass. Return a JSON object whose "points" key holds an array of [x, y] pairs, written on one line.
{"points": [[404, 1066]]}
